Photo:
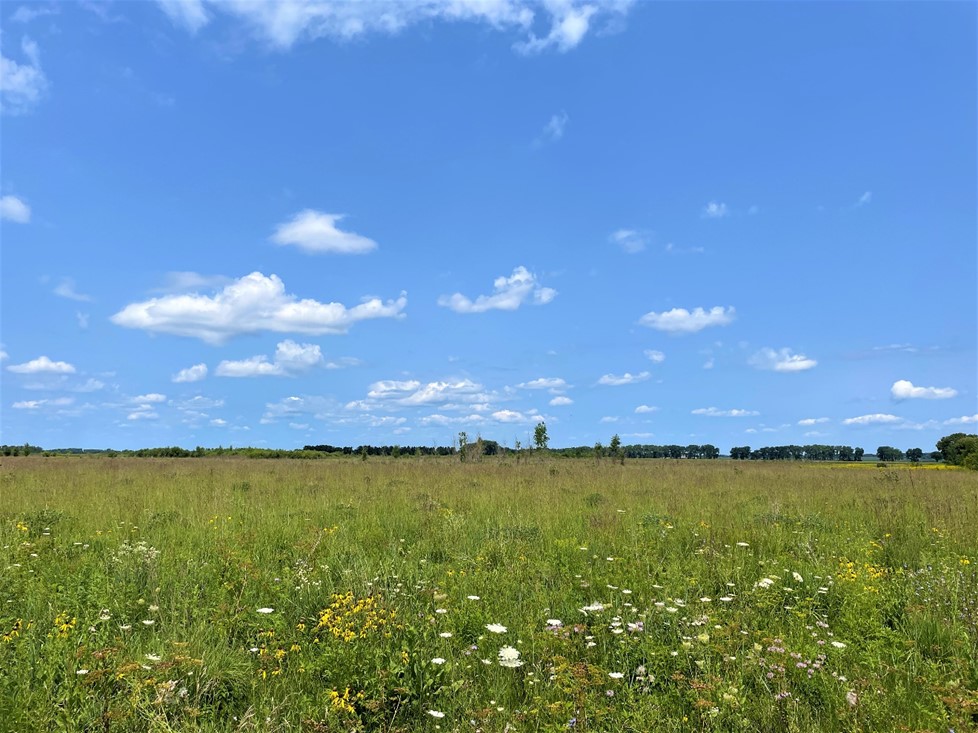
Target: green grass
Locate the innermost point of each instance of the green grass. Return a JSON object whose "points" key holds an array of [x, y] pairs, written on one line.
{"points": [[130, 593]]}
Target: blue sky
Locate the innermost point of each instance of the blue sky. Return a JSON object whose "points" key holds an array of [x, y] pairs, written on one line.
{"points": [[274, 224]]}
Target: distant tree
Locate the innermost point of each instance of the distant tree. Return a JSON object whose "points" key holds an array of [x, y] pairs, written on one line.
{"points": [[914, 455], [888, 453], [740, 453], [598, 450], [935, 456], [858, 454], [540, 437], [615, 448], [463, 441]]}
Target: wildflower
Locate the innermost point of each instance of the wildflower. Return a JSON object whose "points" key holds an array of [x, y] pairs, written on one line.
{"points": [[441, 610], [743, 544], [153, 657], [473, 598], [438, 660], [148, 622], [82, 671], [615, 675], [797, 577], [445, 634], [764, 583], [838, 645], [125, 627], [852, 698], [726, 599], [154, 608], [593, 608], [436, 714], [496, 628], [555, 622], [509, 657], [266, 610]]}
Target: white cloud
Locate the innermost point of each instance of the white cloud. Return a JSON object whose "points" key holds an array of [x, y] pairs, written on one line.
{"points": [[554, 384], [283, 24], [290, 358], [614, 380], [864, 199], [37, 404], [714, 412], [462, 394], [151, 397], [781, 360], [82, 319], [66, 289], [963, 420], [561, 401], [251, 304], [630, 240], [14, 209], [608, 419], [656, 357], [715, 210], [42, 365], [185, 282], [903, 389], [513, 416], [90, 385], [709, 363], [316, 232], [645, 409], [876, 418], [143, 413], [218, 422], [680, 320], [22, 85], [4, 355], [190, 14], [813, 421], [509, 293], [554, 129], [191, 374]]}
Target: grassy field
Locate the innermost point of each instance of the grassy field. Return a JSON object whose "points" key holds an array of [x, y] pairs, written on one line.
{"points": [[540, 595]]}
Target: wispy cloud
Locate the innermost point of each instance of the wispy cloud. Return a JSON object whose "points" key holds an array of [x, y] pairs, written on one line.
{"points": [[715, 210], [509, 293], [782, 360], [631, 241], [645, 409], [614, 380], [252, 304], [864, 199], [315, 232], [813, 421], [680, 320], [554, 129], [714, 412], [963, 420], [903, 389], [874, 419], [66, 289], [656, 357]]}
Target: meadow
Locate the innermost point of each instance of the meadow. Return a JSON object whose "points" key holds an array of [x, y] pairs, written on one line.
{"points": [[540, 594]]}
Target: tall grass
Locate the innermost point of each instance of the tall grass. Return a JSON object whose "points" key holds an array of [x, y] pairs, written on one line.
{"points": [[337, 595]]}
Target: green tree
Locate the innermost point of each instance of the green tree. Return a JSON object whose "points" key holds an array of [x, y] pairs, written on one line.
{"points": [[955, 448], [914, 455], [540, 437], [888, 453]]}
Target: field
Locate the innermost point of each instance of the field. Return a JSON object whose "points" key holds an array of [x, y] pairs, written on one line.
{"points": [[534, 595]]}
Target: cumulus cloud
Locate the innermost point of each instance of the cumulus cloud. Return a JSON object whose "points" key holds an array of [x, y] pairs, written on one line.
{"points": [[66, 289], [22, 85], [614, 380], [903, 389], [191, 374], [151, 397], [14, 209], [645, 409], [714, 412], [813, 421], [452, 394], [630, 240], [656, 357], [42, 365], [561, 401], [781, 360], [680, 320], [509, 293], [316, 232], [290, 358], [715, 210], [252, 304], [963, 420], [284, 24], [874, 419]]}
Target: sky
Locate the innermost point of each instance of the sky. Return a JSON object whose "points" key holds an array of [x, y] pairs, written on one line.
{"points": [[278, 224]]}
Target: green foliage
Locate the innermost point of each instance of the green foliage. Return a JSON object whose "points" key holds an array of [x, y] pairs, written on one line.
{"points": [[959, 449], [540, 437], [676, 595]]}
